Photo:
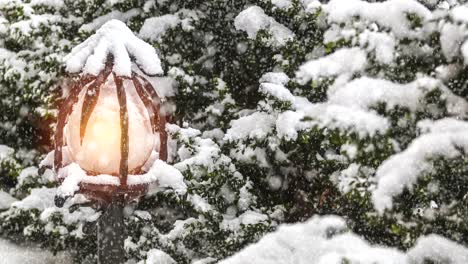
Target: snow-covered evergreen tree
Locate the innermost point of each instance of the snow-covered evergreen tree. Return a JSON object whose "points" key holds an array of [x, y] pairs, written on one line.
{"points": [[285, 110]]}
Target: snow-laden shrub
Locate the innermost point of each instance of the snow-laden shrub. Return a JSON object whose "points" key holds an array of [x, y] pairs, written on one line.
{"points": [[284, 110], [327, 240]]}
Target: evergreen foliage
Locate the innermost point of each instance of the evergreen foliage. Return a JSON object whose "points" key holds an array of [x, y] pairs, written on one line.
{"points": [[265, 131]]}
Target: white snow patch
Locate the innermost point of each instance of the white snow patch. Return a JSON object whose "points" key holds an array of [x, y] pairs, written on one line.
{"points": [[208, 260], [77, 217], [256, 125], [40, 198], [247, 218], [246, 198], [445, 125], [346, 178], [315, 242], [438, 249], [288, 124], [73, 175], [254, 19], [27, 173], [343, 61], [27, 26], [5, 152], [4, 55], [283, 4], [451, 38], [366, 92], [460, 13], [6, 200], [155, 27], [382, 44], [402, 170], [113, 38], [99, 21], [15, 254], [199, 203], [274, 77], [51, 3], [311, 5], [362, 122], [204, 151], [178, 230], [164, 174], [157, 256], [325, 240], [346, 110], [278, 91], [390, 14], [248, 154], [160, 173]]}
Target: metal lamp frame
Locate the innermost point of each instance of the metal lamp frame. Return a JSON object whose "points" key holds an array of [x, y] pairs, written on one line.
{"points": [[110, 198]]}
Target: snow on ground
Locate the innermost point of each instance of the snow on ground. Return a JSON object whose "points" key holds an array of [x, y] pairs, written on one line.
{"points": [[14, 254]]}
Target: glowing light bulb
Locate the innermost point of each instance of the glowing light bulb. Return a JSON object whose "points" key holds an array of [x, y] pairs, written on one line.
{"points": [[100, 150]]}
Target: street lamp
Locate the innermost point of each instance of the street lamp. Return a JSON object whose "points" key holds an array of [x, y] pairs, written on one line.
{"points": [[110, 124]]}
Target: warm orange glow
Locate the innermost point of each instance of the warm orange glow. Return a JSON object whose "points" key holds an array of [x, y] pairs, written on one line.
{"points": [[102, 136], [103, 133], [100, 149]]}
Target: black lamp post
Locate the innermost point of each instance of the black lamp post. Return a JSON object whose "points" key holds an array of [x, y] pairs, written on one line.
{"points": [[109, 125]]}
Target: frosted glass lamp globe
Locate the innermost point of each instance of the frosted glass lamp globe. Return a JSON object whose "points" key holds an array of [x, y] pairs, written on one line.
{"points": [[100, 150]]}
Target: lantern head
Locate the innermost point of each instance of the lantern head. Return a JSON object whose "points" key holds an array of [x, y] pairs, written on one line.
{"points": [[98, 151], [111, 124], [113, 119]]}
